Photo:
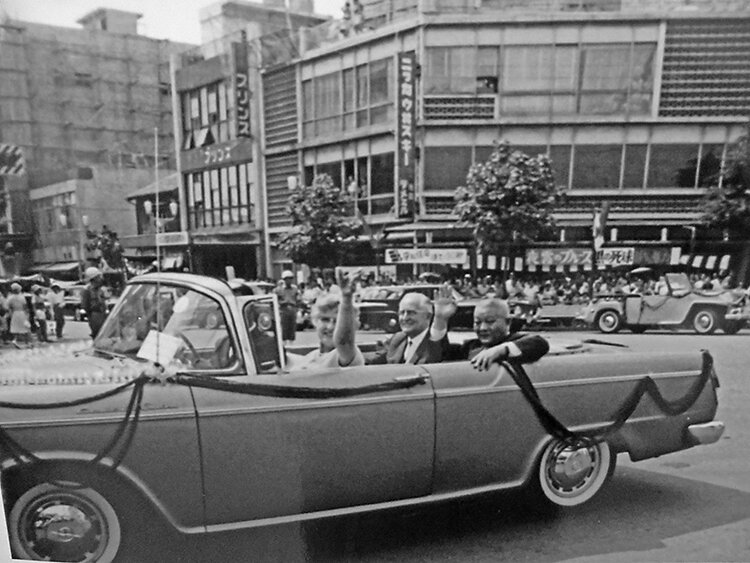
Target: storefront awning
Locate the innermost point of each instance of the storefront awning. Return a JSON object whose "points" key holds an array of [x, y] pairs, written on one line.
{"points": [[56, 268], [706, 261]]}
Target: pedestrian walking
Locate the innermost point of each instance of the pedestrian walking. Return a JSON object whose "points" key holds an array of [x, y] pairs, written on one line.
{"points": [[289, 297], [56, 300]]}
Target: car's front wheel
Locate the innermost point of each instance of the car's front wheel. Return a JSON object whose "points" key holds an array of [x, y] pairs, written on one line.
{"points": [[63, 521], [705, 321], [569, 476], [609, 321]]}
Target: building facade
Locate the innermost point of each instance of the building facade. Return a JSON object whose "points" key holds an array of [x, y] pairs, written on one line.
{"points": [[78, 97], [634, 102], [218, 101]]}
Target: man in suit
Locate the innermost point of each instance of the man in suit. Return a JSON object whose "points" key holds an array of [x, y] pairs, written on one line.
{"points": [[422, 339], [495, 342]]}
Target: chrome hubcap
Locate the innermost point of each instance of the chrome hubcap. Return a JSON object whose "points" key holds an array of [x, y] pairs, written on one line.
{"points": [[63, 526], [704, 321], [608, 321], [570, 470]]}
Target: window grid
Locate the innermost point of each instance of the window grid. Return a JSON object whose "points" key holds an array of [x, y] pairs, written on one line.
{"points": [[206, 115], [219, 197]]}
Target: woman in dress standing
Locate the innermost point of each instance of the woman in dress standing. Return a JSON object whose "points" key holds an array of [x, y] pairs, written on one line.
{"points": [[20, 326]]}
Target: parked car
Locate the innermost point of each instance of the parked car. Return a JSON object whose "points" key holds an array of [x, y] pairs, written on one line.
{"points": [[221, 438], [680, 306], [378, 307]]}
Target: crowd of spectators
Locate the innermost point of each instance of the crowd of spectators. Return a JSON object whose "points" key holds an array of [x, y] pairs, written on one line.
{"points": [[572, 288]]}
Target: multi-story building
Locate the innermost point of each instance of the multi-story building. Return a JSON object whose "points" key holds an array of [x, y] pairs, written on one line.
{"points": [[634, 101], [219, 104], [73, 97]]}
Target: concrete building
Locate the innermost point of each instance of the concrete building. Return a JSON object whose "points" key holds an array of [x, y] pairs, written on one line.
{"points": [[94, 197], [634, 101], [219, 98], [73, 97]]}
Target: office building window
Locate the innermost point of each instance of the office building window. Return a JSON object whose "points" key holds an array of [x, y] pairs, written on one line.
{"points": [[559, 156], [597, 166], [219, 197], [672, 166], [349, 99], [635, 166], [206, 113], [445, 168]]}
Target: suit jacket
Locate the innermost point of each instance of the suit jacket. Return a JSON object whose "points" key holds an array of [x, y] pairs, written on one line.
{"points": [[532, 347], [428, 351]]}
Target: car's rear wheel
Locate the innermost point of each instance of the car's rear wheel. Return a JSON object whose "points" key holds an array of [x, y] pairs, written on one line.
{"points": [[705, 321], [64, 521], [609, 321], [569, 476]]}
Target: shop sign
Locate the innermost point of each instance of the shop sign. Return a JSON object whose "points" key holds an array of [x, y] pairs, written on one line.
{"points": [[218, 155], [179, 238], [241, 88], [426, 255], [405, 132], [365, 271], [652, 256], [558, 257], [615, 256]]}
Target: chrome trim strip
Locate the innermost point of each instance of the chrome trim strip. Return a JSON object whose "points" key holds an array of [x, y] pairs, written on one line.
{"points": [[441, 392], [333, 512]]}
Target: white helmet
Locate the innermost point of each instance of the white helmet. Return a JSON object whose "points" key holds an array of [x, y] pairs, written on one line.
{"points": [[287, 274], [91, 273]]}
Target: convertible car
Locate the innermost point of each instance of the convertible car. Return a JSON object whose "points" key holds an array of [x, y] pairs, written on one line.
{"points": [[679, 306], [183, 414]]}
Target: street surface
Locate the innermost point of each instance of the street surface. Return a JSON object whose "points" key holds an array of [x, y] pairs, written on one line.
{"points": [[687, 506]]}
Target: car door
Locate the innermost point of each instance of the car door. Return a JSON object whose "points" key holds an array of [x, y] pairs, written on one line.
{"points": [[266, 457], [485, 431]]}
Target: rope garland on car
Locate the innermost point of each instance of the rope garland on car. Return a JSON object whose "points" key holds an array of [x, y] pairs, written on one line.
{"points": [[584, 438], [126, 428]]}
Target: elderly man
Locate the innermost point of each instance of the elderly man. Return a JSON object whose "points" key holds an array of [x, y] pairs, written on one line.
{"points": [[335, 319], [494, 340], [422, 339]]}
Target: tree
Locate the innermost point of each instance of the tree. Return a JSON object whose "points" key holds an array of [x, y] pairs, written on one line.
{"points": [[324, 231], [509, 199], [106, 245], [727, 206]]}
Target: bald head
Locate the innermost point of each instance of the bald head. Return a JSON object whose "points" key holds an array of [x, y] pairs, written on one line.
{"points": [[414, 313], [491, 321]]}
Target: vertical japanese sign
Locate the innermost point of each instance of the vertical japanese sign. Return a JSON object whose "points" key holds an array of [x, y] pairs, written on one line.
{"points": [[241, 88], [405, 130]]}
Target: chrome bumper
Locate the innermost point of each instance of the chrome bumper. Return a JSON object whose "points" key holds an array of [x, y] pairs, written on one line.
{"points": [[706, 433]]}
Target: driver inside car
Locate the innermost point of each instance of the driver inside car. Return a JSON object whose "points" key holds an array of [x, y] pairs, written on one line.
{"points": [[336, 320]]}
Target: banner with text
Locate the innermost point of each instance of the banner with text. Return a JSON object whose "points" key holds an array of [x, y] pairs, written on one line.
{"points": [[405, 129], [426, 255], [559, 257], [615, 256], [241, 89]]}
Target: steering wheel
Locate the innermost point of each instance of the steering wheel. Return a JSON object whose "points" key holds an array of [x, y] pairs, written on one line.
{"points": [[191, 349]]}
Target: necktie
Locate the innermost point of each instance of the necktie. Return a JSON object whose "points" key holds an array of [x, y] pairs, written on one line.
{"points": [[407, 350]]}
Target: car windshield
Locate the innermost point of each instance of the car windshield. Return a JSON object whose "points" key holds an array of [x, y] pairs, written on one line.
{"points": [[679, 283], [189, 323]]}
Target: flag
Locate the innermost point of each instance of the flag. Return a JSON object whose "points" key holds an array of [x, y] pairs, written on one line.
{"points": [[600, 225]]}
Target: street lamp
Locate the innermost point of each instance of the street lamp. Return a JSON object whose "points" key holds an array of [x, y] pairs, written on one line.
{"points": [[174, 208]]}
